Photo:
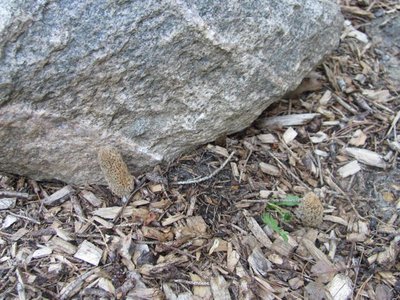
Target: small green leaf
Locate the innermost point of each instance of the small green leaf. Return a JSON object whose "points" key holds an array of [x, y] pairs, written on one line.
{"points": [[273, 224], [287, 216]]}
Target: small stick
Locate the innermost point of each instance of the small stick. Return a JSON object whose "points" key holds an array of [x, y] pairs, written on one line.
{"points": [[127, 200], [201, 179], [24, 217], [195, 283], [15, 194]]}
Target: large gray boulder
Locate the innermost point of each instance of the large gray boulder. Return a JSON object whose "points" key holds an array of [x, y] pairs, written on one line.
{"points": [[152, 78]]}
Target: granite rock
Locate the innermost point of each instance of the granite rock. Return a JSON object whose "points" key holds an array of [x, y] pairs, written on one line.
{"points": [[151, 78]]}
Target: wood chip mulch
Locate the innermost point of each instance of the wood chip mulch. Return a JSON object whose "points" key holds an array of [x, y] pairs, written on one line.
{"points": [[196, 229]]}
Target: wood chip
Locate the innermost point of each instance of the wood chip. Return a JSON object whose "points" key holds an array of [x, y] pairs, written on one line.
{"points": [[367, 157], [219, 288], [42, 252], [289, 135], [106, 284], [295, 283], [8, 221], [258, 262], [156, 188], [341, 287], [7, 203], [318, 137], [218, 150], [89, 252], [284, 248], [257, 231], [172, 219], [269, 169], [112, 212], [286, 121], [91, 198], [349, 169], [267, 138], [358, 138], [335, 219], [316, 253], [59, 196], [326, 97], [60, 245]]}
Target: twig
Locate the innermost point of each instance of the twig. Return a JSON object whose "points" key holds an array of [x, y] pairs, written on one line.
{"points": [[16, 194], [120, 212], [69, 290], [393, 125], [24, 217], [345, 104], [195, 283], [201, 179]]}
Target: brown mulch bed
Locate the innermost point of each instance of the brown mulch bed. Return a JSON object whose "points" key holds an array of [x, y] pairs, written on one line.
{"points": [[210, 239]]}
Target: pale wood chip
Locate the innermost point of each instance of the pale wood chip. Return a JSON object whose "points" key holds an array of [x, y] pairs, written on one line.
{"points": [[61, 233], [335, 219], [232, 258], [269, 169], [106, 284], [258, 262], [102, 222], [60, 245], [316, 253], [218, 150], [289, 135], [265, 194], [341, 287], [8, 221], [367, 157], [284, 248], [75, 285], [286, 121], [296, 283], [156, 188], [267, 138], [91, 198], [219, 288], [356, 237], [358, 138], [349, 169], [89, 252], [112, 212], [7, 203], [168, 292], [42, 252], [318, 137], [59, 196], [172, 219], [19, 234], [326, 97], [257, 231], [197, 224], [390, 255], [218, 245]]}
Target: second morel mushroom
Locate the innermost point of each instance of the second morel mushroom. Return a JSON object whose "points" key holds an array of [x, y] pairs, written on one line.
{"points": [[115, 171]]}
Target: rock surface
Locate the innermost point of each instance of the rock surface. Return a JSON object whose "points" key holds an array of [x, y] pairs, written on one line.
{"points": [[152, 78]]}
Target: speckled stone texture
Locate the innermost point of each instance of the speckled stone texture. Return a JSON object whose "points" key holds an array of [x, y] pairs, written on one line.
{"points": [[151, 78]]}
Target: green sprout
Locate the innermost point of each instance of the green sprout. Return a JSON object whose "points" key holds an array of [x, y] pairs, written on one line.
{"points": [[284, 214]]}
